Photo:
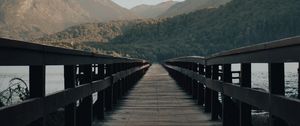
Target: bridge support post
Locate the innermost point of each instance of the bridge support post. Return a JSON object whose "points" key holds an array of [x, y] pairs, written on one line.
{"points": [[109, 91], [207, 99], [227, 103], [70, 82], [276, 86], [37, 88], [245, 109], [99, 104], [200, 92], [214, 95], [298, 80], [85, 114], [115, 85], [195, 82]]}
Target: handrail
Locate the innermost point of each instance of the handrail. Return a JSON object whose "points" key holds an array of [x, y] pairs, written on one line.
{"points": [[15, 52], [85, 74], [205, 72]]}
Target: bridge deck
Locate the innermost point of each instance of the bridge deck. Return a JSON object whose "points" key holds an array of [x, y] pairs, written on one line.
{"points": [[157, 101]]}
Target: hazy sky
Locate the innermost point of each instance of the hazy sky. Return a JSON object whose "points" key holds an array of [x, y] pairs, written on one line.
{"points": [[132, 3]]}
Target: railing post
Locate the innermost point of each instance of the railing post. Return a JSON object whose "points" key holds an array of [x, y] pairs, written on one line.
{"points": [[99, 104], [245, 109], [85, 115], [70, 82], [227, 103], [207, 90], [37, 83], [109, 91], [200, 92], [298, 81], [214, 95], [276, 86], [195, 82], [120, 86], [115, 85]]}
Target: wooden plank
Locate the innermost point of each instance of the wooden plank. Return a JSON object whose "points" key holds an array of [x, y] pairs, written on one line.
{"points": [[284, 50], [157, 100], [33, 109], [24, 53]]}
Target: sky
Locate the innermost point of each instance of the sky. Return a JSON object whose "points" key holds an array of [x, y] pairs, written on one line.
{"points": [[132, 3]]}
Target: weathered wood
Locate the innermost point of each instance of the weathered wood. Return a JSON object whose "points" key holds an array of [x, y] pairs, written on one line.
{"points": [[285, 50], [245, 109], [276, 86], [23, 53], [156, 100]]}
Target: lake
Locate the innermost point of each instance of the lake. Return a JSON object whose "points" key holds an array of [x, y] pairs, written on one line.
{"points": [[55, 77]]}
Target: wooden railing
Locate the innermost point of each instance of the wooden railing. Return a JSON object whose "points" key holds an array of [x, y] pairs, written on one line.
{"points": [[207, 77], [84, 74]]}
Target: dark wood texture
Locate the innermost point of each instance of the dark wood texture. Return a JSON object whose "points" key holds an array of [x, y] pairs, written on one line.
{"points": [[279, 105], [70, 82], [276, 86], [157, 101], [245, 109]]}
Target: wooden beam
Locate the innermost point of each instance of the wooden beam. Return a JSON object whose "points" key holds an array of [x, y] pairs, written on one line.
{"points": [[215, 95], [276, 86], [70, 82], [245, 109], [37, 88], [207, 99]]}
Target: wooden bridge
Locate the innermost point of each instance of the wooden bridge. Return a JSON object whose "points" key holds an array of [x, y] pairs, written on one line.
{"points": [[185, 91]]}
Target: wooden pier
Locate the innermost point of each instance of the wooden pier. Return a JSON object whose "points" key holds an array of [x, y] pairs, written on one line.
{"points": [[184, 91], [157, 100]]}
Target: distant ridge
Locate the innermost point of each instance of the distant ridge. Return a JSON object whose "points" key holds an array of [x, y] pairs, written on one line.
{"points": [[152, 11], [191, 6], [237, 23], [26, 19]]}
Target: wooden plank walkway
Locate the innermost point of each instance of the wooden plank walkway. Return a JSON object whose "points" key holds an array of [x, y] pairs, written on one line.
{"points": [[157, 101]]}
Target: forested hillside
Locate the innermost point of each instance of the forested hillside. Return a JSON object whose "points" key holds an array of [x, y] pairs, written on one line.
{"points": [[238, 23], [27, 19]]}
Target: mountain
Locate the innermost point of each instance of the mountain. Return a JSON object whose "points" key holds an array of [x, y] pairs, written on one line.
{"points": [[191, 6], [238, 23], [25, 19], [152, 11]]}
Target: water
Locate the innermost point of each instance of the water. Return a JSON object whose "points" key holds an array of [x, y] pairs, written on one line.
{"points": [[55, 77], [260, 77]]}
